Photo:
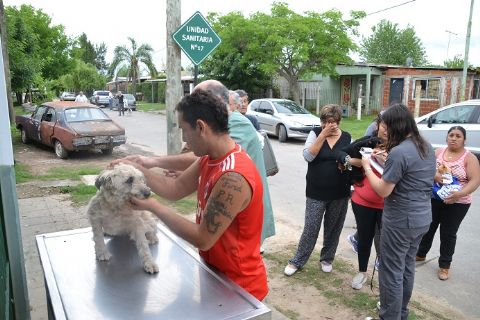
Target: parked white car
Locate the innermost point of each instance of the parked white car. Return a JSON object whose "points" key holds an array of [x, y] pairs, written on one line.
{"points": [[283, 118], [434, 125]]}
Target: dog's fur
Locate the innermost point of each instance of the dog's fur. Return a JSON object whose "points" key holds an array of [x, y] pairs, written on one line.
{"points": [[109, 213]]}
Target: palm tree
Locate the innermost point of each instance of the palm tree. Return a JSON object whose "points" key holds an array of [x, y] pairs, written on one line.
{"points": [[131, 58]]}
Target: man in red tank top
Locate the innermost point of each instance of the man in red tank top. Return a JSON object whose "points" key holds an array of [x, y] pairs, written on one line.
{"points": [[229, 192]]}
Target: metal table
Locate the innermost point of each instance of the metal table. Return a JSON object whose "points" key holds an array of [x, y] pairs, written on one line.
{"points": [[80, 287]]}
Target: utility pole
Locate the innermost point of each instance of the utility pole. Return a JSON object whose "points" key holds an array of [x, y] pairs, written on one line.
{"points": [[465, 61], [449, 36], [174, 84]]}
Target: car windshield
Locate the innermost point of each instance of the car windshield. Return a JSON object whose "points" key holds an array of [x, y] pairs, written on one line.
{"points": [[289, 107], [85, 114], [103, 93]]}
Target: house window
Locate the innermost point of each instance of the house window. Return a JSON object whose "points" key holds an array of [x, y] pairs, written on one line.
{"points": [[430, 89]]}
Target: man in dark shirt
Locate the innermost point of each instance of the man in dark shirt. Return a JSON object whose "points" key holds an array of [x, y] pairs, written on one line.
{"points": [[121, 107]]}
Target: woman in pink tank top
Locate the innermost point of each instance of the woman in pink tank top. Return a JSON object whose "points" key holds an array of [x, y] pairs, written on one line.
{"points": [[449, 213]]}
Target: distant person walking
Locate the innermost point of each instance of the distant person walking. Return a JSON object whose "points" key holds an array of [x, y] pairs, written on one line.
{"points": [[121, 106], [81, 97]]}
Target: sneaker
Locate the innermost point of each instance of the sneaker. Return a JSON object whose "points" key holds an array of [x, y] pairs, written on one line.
{"points": [[378, 305], [419, 259], [377, 264], [326, 266], [359, 280], [371, 318], [290, 269], [353, 242], [443, 274]]}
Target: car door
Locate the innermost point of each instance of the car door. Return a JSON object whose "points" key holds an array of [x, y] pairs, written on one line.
{"points": [[47, 125], [266, 117], [34, 129], [464, 115]]}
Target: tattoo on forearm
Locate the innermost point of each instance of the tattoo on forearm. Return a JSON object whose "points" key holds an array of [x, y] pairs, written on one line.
{"points": [[220, 204]]}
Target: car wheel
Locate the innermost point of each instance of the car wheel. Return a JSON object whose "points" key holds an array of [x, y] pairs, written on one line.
{"points": [[282, 133], [60, 150], [24, 136], [107, 151]]}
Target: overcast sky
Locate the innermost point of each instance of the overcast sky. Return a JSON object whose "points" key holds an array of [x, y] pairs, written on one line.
{"points": [[112, 21]]}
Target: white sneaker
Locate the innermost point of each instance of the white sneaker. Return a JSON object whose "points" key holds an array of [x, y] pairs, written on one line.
{"points": [[326, 267], [358, 281], [378, 305], [290, 269]]}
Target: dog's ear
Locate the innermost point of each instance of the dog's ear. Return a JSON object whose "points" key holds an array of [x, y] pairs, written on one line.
{"points": [[102, 180]]}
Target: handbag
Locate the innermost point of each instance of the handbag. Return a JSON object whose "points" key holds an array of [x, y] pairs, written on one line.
{"points": [[269, 156]]}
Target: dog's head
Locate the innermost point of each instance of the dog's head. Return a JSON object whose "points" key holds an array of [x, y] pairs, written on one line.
{"points": [[123, 181], [442, 169]]}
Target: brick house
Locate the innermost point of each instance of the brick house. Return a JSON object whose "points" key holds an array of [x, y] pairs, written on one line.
{"points": [[378, 86], [438, 86]]}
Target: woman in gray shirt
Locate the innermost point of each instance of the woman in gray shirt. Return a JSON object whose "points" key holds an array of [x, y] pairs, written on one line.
{"points": [[406, 186]]}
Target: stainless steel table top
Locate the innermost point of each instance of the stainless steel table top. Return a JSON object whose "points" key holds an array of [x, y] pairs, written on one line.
{"points": [[80, 287]]}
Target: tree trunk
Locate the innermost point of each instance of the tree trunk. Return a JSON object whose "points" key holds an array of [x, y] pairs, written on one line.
{"points": [[294, 88], [6, 63]]}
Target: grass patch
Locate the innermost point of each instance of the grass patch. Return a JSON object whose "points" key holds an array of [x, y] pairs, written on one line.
{"points": [[356, 127], [56, 173], [22, 173], [146, 106], [79, 194], [185, 206]]}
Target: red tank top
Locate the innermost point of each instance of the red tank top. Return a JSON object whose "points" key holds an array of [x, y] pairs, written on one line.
{"points": [[237, 252]]}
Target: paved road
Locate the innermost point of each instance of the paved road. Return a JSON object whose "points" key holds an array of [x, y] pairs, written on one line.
{"points": [[288, 195]]}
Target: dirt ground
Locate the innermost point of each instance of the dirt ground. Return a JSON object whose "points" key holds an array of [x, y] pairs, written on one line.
{"points": [[295, 299]]}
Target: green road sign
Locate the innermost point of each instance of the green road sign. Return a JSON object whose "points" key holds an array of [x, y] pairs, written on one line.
{"points": [[196, 38]]}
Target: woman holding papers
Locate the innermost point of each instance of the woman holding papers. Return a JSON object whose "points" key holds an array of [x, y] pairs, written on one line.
{"points": [[405, 185]]}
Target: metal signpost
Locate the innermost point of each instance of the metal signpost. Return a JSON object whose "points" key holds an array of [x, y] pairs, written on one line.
{"points": [[197, 39]]}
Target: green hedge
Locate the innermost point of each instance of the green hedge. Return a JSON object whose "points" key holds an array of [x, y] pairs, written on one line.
{"points": [[159, 89]]}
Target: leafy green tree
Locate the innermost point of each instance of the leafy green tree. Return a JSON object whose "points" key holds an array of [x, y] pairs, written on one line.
{"points": [[229, 62], [133, 57], [288, 44], [91, 53], [37, 49], [84, 77], [456, 62], [388, 44]]}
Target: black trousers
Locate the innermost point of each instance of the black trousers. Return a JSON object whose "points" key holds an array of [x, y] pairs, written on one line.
{"points": [[449, 217], [367, 219]]}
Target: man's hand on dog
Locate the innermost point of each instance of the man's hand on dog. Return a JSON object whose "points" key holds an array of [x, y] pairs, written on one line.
{"points": [[136, 161]]}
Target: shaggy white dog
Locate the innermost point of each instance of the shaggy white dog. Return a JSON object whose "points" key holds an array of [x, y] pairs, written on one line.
{"points": [[109, 213]]}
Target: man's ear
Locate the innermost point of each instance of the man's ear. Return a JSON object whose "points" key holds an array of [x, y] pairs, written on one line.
{"points": [[201, 126]]}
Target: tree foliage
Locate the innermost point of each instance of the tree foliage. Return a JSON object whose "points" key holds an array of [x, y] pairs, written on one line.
{"points": [[37, 49], [388, 44], [283, 42], [133, 58], [91, 53], [83, 76], [456, 62]]}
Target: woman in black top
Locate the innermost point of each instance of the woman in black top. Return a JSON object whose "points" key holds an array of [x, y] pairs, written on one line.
{"points": [[327, 191]]}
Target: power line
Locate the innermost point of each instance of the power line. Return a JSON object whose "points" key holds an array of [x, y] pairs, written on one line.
{"points": [[398, 5]]}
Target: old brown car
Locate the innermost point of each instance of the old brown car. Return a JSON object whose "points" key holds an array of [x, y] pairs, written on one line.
{"points": [[71, 126]]}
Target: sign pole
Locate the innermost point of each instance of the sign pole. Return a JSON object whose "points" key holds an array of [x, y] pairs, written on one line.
{"points": [[174, 86], [195, 76]]}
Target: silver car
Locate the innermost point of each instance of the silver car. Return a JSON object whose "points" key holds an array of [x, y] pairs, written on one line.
{"points": [[434, 125], [283, 118]]}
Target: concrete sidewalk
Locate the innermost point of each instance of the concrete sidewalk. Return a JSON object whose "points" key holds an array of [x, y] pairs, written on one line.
{"points": [[45, 215]]}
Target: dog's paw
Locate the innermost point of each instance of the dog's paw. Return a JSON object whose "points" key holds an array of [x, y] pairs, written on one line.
{"points": [[152, 238], [150, 267], [104, 256]]}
